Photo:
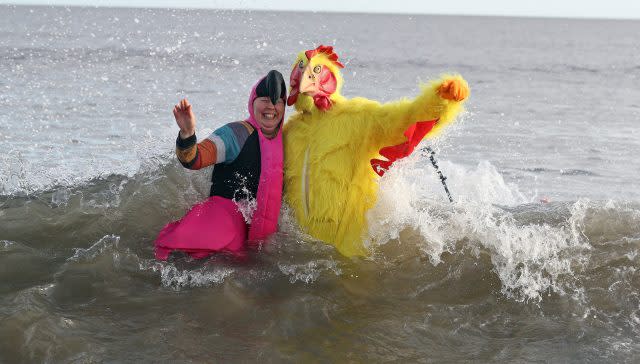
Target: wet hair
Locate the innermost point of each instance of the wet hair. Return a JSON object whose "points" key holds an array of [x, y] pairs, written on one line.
{"points": [[272, 86]]}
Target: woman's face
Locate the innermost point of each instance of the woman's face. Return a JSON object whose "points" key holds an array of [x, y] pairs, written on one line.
{"points": [[268, 115]]}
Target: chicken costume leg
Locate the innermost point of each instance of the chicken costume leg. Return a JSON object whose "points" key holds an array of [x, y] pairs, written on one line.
{"points": [[332, 143]]}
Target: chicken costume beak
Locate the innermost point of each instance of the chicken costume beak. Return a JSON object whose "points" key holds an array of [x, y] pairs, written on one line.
{"points": [[308, 84]]}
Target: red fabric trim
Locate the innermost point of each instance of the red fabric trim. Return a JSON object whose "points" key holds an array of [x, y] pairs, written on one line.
{"points": [[414, 134]]}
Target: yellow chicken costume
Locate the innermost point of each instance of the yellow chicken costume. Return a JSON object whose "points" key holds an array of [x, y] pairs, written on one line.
{"points": [[332, 145]]}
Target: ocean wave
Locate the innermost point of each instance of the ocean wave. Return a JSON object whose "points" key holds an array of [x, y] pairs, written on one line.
{"points": [[577, 172], [176, 278], [534, 248], [557, 68], [90, 253], [529, 248], [308, 272], [159, 55], [563, 172]]}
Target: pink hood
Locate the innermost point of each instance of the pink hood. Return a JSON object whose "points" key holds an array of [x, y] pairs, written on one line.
{"points": [[269, 198]]}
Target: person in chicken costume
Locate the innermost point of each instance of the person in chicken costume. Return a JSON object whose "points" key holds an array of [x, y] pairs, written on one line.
{"points": [[336, 148]]}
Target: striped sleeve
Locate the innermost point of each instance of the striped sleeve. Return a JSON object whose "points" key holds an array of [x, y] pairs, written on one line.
{"points": [[229, 140], [195, 156]]}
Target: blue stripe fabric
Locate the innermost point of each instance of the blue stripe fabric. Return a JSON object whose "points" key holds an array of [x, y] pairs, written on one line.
{"points": [[233, 135]]}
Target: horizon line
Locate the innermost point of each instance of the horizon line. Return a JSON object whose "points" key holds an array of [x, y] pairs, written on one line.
{"points": [[165, 7]]}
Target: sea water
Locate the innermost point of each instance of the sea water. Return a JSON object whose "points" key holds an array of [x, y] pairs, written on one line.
{"points": [[535, 260]]}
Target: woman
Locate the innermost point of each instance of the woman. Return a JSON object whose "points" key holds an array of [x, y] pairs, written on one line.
{"points": [[248, 167]]}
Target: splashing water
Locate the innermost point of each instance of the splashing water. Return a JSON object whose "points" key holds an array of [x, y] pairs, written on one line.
{"points": [[529, 258]]}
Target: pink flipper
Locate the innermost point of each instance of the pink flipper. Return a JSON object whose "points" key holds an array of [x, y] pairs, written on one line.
{"points": [[211, 226]]}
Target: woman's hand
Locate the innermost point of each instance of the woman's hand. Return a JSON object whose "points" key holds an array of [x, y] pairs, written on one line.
{"points": [[185, 118]]}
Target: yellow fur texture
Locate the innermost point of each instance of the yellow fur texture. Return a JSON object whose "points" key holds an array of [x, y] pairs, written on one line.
{"points": [[329, 181]]}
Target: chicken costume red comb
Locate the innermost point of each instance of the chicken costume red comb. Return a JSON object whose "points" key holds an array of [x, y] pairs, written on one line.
{"points": [[328, 51]]}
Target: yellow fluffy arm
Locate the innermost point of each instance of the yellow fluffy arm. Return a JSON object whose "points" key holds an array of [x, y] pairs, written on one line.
{"points": [[441, 99]]}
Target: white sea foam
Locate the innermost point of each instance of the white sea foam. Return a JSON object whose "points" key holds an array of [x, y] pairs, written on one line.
{"points": [[105, 243], [4, 244], [176, 278], [529, 259], [247, 208], [309, 272]]}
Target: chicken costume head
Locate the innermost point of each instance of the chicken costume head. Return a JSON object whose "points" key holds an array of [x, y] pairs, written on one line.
{"points": [[316, 76], [336, 148]]}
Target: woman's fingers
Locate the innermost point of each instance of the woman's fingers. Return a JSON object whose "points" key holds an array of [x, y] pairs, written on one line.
{"points": [[182, 107]]}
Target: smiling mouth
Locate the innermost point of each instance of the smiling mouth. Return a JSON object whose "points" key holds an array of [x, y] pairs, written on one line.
{"points": [[269, 116]]}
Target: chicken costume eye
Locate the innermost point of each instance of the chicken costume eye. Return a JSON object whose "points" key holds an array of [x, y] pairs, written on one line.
{"points": [[301, 64], [317, 69]]}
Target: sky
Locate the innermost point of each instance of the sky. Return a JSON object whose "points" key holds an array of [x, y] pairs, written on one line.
{"points": [[615, 9]]}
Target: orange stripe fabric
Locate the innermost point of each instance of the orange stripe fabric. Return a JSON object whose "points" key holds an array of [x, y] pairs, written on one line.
{"points": [[204, 153], [186, 155], [208, 154]]}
